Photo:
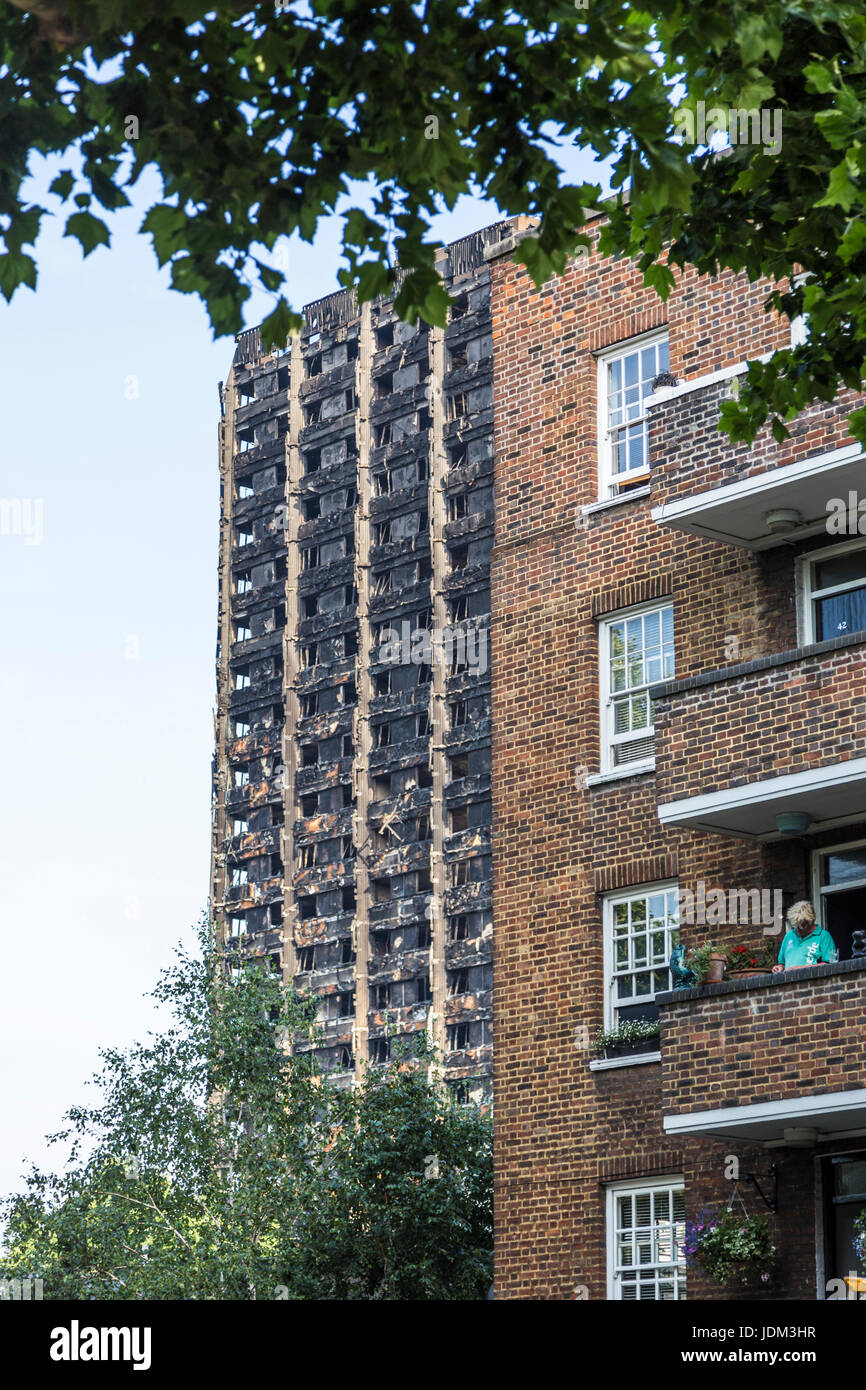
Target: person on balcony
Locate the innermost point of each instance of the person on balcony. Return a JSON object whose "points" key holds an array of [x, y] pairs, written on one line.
{"points": [[805, 942]]}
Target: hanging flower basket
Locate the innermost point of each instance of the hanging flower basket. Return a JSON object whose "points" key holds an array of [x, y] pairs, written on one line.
{"points": [[730, 1249]]}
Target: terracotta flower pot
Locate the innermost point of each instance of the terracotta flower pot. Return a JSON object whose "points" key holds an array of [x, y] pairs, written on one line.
{"points": [[716, 968]]}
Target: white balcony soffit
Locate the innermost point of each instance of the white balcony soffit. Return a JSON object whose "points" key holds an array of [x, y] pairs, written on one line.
{"points": [[840, 1112], [735, 513], [831, 795]]}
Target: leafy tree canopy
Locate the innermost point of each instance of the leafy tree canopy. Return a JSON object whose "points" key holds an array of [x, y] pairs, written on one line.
{"points": [[219, 1166], [258, 116]]}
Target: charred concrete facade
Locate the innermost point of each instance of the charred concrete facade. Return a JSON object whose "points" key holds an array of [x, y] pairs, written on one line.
{"points": [[678, 700], [352, 797]]}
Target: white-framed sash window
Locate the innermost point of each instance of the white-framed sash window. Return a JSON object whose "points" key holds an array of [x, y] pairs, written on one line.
{"points": [[645, 1232], [625, 379]]}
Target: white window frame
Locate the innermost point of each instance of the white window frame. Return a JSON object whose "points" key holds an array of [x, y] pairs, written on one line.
{"points": [[241, 776], [240, 826], [242, 680], [633, 1187], [245, 490], [242, 632], [245, 538], [807, 595], [821, 891], [609, 902], [800, 323], [237, 927], [240, 875], [608, 738], [243, 584], [240, 728], [609, 483]]}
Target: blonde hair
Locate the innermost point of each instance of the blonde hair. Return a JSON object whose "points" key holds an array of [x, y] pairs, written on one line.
{"points": [[801, 913]]}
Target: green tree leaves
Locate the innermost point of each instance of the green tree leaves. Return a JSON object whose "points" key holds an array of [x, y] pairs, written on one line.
{"points": [[257, 119], [216, 1165], [16, 269], [90, 231]]}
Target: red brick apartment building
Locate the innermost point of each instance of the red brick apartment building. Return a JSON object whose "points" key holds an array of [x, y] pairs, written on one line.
{"points": [[679, 699]]}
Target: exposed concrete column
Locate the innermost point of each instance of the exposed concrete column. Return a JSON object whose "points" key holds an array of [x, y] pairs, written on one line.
{"points": [[221, 717], [294, 471], [438, 709], [362, 737]]}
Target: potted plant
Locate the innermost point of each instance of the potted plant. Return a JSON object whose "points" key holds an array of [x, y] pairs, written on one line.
{"points": [[708, 962], [743, 962], [729, 1248], [628, 1039]]}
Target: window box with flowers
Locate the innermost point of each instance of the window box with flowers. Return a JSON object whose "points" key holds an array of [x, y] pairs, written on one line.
{"points": [[729, 1248], [628, 1039]]}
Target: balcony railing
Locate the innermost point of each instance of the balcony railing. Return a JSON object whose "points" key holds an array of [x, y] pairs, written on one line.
{"points": [[785, 736], [756, 496], [778, 1059]]}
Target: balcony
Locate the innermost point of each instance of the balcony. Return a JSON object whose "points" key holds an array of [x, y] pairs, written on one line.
{"points": [[757, 496], [777, 1060], [768, 749]]}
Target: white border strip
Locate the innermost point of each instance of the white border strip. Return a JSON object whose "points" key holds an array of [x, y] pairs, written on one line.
{"points": [[798, 1108], [767, 790], [747, 488]]}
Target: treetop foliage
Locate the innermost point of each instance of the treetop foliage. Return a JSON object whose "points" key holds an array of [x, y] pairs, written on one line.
{"points": [[219, 1165], [260, 116]]}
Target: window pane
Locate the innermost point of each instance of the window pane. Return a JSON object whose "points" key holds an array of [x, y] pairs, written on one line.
{"points": [[641, 950], [841, 614], [842, 569], [850, 864], [648, 1239], [640, 712], [636, 449], [850, 1178], [621, 716]]}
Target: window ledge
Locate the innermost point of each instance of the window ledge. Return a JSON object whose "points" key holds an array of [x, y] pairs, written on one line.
{"points": [[617, 501], [638, 1060], [618, 774]]}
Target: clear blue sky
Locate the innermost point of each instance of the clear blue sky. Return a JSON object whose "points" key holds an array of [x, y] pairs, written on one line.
{"points": [[110, 409]]}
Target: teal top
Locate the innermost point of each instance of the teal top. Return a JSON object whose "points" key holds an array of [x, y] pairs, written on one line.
{"points": [[797, 950]]}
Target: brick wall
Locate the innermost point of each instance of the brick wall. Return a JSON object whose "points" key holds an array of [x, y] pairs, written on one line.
{"points": [[680, 470], [734, 727], [785, 1036], [564, 1130]]}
